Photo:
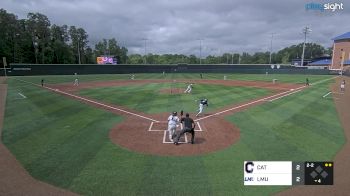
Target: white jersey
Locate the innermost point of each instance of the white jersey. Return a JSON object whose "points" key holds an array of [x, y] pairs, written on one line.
{"points": [[173, 120]]}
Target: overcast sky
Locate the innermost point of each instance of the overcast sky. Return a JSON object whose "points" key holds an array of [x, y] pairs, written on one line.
{"points": [[176, 26]]}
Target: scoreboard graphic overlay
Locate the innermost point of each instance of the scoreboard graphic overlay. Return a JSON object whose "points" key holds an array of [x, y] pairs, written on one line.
{"points": [[288, 173]]}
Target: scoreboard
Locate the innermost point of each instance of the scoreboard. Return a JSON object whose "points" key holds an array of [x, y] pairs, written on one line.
{"points": [[288, 173]]}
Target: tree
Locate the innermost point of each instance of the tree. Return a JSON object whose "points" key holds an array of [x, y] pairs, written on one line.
{"points": [[135, 59], [8, 35], [111, 48], [38, 27], [79, 41]]}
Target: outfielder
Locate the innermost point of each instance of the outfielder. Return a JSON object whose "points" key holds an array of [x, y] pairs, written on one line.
{"points": [[189, 89], [76, 81], [173, 121], [201, 105]]}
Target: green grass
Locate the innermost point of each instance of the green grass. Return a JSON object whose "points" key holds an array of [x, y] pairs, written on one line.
{"points": [[284, 78], [65, 143], [147, 97]]}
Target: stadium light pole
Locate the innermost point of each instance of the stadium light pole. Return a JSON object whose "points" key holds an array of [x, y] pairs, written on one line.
{"points": [[79, 52], [306, 30], [271, 48], [145, 59], [200, 51]]}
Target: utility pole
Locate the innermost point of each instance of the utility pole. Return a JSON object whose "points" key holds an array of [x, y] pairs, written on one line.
{"points": [[306, 30], [232, 58], [271, 48]]}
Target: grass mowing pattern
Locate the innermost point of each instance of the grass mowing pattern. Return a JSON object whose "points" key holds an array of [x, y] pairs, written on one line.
{"points": [[147, 98], [299, 127], [53, 137], [284, 78]]}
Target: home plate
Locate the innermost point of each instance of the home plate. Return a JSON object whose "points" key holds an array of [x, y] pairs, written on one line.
{"points": [[166, 139]]}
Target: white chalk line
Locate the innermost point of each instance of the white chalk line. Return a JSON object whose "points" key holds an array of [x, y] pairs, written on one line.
{"points": [[20, 94], [91, 101], [284, 95], [150, 127], [200, 128], [234, 108], [321, 81], [263, 99], [243, 105], [181, 127], [326, 94]]}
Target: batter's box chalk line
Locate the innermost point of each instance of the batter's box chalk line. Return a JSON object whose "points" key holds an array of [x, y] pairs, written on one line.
{"points": [[164, 126]]}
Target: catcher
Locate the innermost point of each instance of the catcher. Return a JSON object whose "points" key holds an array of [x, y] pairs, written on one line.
{"points": [[188, 126]]}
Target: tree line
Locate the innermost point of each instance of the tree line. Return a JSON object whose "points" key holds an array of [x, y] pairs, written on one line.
{"points": [[36, 40]]}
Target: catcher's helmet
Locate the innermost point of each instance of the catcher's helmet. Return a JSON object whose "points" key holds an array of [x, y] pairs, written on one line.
{"points": [[174, 113]]}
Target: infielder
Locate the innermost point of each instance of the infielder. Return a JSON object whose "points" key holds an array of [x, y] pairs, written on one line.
{"points": [[201, 105], [189, 89], [173, 121], [189, 126]]}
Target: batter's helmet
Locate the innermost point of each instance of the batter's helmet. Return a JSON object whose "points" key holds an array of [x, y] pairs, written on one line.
{"points": [[174, 113]]}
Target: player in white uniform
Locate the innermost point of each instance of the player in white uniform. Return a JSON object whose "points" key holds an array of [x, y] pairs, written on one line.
{"points": [[173, 122], [189, 88], [76, 81], [201, 105], [342, 86]]}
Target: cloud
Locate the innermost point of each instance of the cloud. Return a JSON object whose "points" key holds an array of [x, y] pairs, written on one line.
{"points": [[175, 26]]}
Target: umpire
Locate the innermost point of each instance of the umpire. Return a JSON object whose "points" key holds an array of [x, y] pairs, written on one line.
{"points": [[189, 126]]}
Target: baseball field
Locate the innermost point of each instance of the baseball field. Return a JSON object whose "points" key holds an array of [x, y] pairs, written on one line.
{"points": [[107, 136]]}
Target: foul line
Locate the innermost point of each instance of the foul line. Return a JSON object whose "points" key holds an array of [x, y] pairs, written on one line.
{"points": [[326, 94], [91, 101], [282, 94], [240, 106]]}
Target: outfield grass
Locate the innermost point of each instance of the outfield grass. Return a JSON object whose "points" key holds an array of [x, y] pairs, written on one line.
{"points": [[65, 143], [284, 78], [148, 98]]}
